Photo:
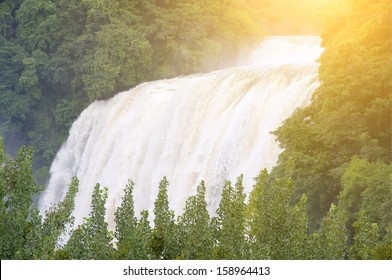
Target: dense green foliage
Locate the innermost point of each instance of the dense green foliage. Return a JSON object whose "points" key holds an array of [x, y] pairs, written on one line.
{"points": [[229, 223], [24, 233], [132, 235], [57, 56], [265, 227], [276, 230], [340, 145], [195, 227], [163, 238], [92, 240]]}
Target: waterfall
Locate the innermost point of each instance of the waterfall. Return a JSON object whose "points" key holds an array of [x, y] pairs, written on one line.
{"points": [[210, 127]]}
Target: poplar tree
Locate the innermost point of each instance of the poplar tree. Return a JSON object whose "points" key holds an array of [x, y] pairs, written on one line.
{"points": [[297, 239], [333, 235], [270, 218], [44, 235], [143, 233], [277, 230], [383, 250], [132, 235], [256, 217], [365, 238], [196, 233], [92, 240], [125, 225], [230, 222], [17, 188], [164, 244]]}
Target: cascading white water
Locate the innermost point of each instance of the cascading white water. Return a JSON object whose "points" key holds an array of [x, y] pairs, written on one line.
{"points": [[210, 127]]}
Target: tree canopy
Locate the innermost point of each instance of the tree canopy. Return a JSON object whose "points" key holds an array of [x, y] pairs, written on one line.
{"points": [[331, 145]]}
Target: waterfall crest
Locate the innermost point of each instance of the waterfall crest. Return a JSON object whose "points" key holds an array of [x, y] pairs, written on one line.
{"points": [[211, 127]]}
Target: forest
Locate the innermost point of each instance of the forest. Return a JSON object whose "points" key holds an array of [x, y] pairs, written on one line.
{"points": [[330, 195]]}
